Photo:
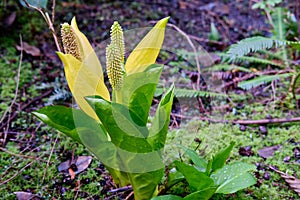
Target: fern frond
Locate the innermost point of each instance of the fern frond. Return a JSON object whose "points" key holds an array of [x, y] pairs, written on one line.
{"points": [[261, 80], [248, 59], [188, 93], [226, 67], [252, 44], [257, 43]]}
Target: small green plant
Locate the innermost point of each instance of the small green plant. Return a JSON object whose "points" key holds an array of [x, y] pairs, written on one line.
{"points": [[206, 178]]}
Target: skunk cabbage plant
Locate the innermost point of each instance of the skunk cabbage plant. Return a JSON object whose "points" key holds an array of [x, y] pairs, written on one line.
{"points": [[115, 127]]}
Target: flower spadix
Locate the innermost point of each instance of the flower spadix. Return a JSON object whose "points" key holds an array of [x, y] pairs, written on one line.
{"points": [[115, 57], [82, 68], [84, 72]]}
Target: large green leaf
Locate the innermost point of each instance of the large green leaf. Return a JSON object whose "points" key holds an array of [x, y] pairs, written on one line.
{"points": [[138, 91], [233, 177], [220, 158], [197, 180], [116, 119], [204, 194], [160, 124], [60, 118]]}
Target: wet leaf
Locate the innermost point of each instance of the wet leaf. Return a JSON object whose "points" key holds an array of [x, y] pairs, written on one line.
{"points": [[267, 152], [234, 177], [81, 163], [220, 159], [26, 196]]}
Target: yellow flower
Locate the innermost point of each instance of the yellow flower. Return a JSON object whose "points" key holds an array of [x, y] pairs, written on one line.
{"points": [[83, 70]]}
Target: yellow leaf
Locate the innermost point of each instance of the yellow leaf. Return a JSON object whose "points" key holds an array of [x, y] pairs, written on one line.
{"points": [[83, 82], [146, 52], [89, 57]]}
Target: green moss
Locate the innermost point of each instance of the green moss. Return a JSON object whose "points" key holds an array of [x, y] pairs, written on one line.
{"points": [[217, 136]]}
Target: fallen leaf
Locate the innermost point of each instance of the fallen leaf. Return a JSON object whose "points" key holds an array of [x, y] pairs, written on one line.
{"points": [[26, 195], [293, 182], [10, 19], [267, 152], [32, 50], [78, 165]]}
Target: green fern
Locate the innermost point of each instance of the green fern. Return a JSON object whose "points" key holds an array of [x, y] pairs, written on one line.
{"points": [[246, 85], [226, 57], [252, 44], [257, 43], [188, 93], [226, 67]]}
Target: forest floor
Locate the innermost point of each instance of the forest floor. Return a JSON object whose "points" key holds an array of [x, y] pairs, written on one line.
{"points": [[33, 156]]}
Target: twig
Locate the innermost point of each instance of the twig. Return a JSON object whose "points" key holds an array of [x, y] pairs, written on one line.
{"points": [[8, 110], [17, 155], [253, 122], [49, 158], [17, 82], [17, 173], [15, 114], [122, 189], [48, 21]]}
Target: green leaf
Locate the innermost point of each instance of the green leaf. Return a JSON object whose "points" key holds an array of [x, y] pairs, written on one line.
{"points": [[246, 85], [205, 194], [145, 184], [35, 3], [233, 177], [116, 119], [200, 162], [160, 124], [279, 25], [167, 197], [138, 91], [174, 177], [221, 157], [60, 118], [214, 34], [196, 179]]}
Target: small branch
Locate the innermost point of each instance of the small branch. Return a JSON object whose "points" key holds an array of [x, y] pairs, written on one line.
{"points": [[18, 172], [45, 171], [15, 114], [48, 21], [122, 189], [17, 155], [253, 122], [17, 83]]}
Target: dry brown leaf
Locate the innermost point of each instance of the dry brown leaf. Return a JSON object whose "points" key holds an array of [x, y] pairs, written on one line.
{"points": [[293, 182], [268, 151], [81, 163], [26, 195], [32, 50]]}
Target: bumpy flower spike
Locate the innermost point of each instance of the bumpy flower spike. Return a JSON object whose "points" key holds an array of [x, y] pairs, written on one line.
{"points": [[115, 57], [69, 41]]}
